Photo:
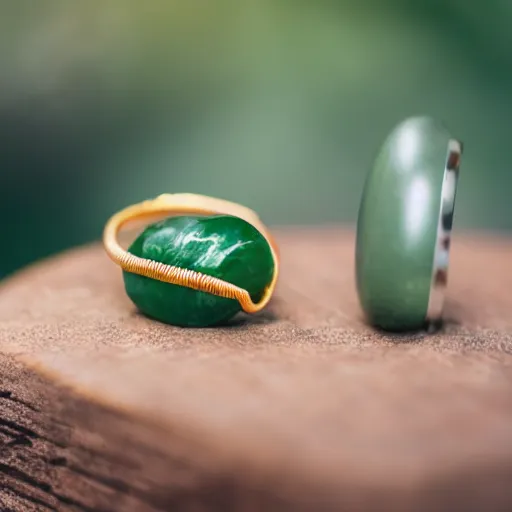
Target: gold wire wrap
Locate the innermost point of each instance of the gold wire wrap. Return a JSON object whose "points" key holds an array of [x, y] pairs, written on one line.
{"points": [[186, 204]]}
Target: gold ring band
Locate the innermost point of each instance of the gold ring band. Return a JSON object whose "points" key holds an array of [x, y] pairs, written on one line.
{"points": [[186, 204]]}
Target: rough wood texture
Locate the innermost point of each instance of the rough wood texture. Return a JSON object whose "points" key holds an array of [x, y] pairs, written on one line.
{"points": [[302, 407]]}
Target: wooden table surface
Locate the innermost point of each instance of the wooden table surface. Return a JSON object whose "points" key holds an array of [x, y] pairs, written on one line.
{"points": [[301, 407]]}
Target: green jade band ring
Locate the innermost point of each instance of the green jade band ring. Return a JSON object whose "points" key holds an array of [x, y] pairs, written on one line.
{"points": [[207, 260], [404, 227]]}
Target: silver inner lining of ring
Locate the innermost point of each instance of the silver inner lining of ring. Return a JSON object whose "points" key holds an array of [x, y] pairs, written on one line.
{"points": [[444, 228]]}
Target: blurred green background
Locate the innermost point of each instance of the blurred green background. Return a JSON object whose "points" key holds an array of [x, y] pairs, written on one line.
{"points": [[280, 105]]}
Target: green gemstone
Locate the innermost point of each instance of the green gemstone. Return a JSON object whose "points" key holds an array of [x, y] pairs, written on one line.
{"points": [[397, 229], [222, 246]]}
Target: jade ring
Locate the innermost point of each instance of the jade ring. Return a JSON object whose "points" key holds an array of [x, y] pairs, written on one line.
{"points": [[200, 265], [404, 226]]}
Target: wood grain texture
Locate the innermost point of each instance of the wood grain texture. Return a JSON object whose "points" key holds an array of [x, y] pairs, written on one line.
{"points": [[301, 407]]}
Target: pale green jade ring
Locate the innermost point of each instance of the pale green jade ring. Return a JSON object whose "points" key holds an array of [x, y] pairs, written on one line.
{"points": [[404, 227]]}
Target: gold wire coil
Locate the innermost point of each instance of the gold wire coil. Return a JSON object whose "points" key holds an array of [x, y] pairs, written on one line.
{"points": [[180, 204]]}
